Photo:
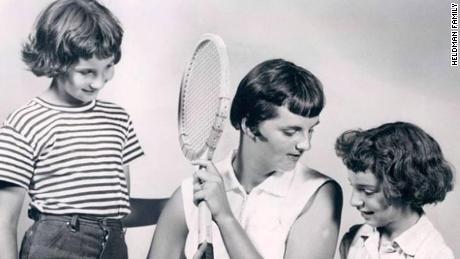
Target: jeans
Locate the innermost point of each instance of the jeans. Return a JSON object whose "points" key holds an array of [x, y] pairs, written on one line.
{"points": [[73, 237]]}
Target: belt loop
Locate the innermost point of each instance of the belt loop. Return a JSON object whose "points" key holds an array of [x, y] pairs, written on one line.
{"points": [[73, 223], [33, 214]]}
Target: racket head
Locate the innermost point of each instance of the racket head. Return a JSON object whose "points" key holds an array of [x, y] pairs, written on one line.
{"points": [[204, 98]]}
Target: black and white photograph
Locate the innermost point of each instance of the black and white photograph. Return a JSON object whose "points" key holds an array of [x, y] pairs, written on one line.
{"points": [[229, 129]]}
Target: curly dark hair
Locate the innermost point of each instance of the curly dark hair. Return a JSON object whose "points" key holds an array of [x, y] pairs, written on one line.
{"points": [[408, 161], [68, 30], [275, 83]]}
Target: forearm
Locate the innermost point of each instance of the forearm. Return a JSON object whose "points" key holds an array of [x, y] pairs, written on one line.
{"points": [[8, 242], [11, 199], [236, 240]]}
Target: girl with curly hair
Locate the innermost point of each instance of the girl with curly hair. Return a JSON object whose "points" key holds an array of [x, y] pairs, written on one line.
{"points": [[394, 170]]}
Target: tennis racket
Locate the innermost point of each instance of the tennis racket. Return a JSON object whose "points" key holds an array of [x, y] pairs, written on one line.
{"points": [[203, 107]]}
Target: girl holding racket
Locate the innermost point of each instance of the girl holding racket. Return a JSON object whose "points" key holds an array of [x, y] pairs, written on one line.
{"points": [[264, 204]]}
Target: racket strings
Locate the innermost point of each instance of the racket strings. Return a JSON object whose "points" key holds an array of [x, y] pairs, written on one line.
{"points": [[201, 97]]}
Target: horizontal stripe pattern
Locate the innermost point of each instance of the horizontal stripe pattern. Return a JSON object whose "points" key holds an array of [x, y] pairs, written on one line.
{"points": [[70, 159]]}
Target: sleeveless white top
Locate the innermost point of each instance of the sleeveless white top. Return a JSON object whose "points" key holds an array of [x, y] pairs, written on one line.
{"points": [[266, 214]]}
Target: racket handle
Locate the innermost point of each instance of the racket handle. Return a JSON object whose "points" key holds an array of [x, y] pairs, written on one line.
{"points": [[205, 230], [208, 252]]}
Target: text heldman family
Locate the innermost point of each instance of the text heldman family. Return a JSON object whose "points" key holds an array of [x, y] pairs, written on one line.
{"points": [[454, 34]]}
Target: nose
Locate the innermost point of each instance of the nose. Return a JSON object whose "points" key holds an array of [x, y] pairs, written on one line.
{"points": [[304, 144], [356, 200], [98, 82]]}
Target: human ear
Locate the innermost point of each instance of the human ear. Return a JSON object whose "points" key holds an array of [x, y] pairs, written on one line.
{"points": [[251, 132]]}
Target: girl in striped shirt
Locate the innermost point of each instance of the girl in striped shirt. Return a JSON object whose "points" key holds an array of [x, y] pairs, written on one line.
{"points": [[69, 151]]}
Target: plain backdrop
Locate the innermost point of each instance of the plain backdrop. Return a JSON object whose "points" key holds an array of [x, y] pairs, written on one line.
{"points": [[379, 61]]}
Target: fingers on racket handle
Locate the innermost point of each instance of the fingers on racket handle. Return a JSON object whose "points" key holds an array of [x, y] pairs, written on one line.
{"points": [[204, 224]]}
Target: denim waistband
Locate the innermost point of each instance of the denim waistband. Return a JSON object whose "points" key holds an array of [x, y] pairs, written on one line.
{"points": [[75, 218]]}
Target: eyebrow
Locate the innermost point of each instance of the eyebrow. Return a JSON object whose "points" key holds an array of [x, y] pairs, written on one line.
{"points": [[312, 126], [364, 185], [299, 127]]}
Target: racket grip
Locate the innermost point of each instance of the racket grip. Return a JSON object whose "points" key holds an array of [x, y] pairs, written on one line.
{"points": [[205, 230], [208, 252]]}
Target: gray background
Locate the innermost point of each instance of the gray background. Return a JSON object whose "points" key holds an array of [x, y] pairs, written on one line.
{"points": [[379, 61]]}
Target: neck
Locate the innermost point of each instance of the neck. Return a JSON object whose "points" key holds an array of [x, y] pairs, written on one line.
{"points": [[249, 169], [54, 96], [408, 218]]}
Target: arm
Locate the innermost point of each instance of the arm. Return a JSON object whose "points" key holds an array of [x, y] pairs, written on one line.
{"points": [[314, 234], [212, 191], [171, 231], [127, 176], [11, 199], [235, 239]]}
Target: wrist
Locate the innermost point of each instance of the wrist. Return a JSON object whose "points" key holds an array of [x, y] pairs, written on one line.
{"points": [[224, 220]]}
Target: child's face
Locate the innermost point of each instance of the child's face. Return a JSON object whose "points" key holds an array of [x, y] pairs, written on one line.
{"points": [[83, 80], [368, 198], [283, 139]]}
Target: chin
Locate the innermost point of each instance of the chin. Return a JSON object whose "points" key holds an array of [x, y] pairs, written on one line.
{"points": [[87, 100], [375, 224], [287, 166]]}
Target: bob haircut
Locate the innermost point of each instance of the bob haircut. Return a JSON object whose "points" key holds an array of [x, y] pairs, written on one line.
{"points": [[68, 30], [275, 83], [408, 162]]}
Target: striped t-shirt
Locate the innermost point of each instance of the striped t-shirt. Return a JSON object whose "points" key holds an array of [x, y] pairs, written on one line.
{"points": [[70, 159]]}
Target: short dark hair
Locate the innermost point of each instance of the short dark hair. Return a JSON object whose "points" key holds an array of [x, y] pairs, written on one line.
{"points": [[68, 30], [272, 84], [407, 160]]}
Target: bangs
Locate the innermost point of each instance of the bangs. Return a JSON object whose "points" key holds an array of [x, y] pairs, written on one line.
{"points": [[68, 30], [356, 150], [304, 94], [90, 36], [306, 106]]}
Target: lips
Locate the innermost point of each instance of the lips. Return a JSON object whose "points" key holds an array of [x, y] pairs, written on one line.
{"points": [[294, 157], [366, 214], [89, 91]]}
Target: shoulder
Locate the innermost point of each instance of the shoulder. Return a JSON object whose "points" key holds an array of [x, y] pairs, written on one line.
{"points": [[327, 189], [19, 113], [331, 191], [442, 251], [113, 111], [325, 202], [435, 247], [308, 173], [435, 244], [110, 107]]}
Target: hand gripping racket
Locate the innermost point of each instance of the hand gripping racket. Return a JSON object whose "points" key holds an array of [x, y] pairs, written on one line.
{"points": [[203, 107]]}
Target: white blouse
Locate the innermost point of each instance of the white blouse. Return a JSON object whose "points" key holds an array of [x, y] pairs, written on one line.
{"points": [[266, 213], [421, 241]]}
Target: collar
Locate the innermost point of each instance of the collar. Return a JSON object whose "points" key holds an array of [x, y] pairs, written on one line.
{"points": [[370, 238], [276, 184], [409, 241], [82, 108]]}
